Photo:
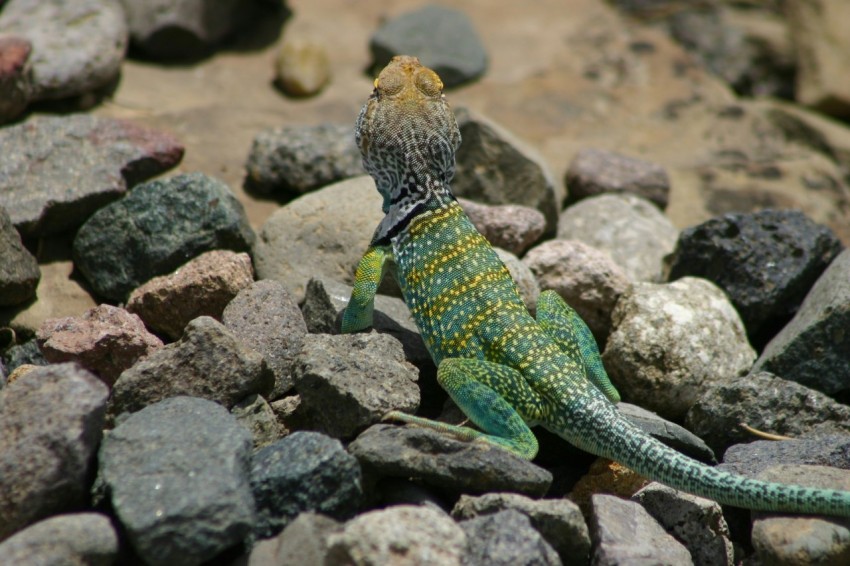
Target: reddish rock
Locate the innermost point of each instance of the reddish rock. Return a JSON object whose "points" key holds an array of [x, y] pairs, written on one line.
{"points": [[202, 287], [15, 76], [106, 340], [509, 226]]}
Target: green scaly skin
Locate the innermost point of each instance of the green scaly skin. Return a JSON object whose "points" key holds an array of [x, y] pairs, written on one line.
{"points": [[504, 369]]}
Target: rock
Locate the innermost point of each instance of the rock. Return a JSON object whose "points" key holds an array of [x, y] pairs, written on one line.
{"points": [[814, 348], [559, 521], [184, 29], [629, 228], [593, 172], [695, 522], [51, 422], [529, 290], [506, 538], [302, 67], [403, 535], [78, 538], [822, 50], [510, 227], [207, 362], [677, 437], [585, 277], [293, 160], [15, 76], [66, 167], [442, 38], [671, 342], [495, 167], [266, 319], [19, 372], [442, 461], [321, 234], [200, 287], [306, 471], [77, 47], [362, 376], [319, 309], [754, 457], [609, 477], [177, 477], [624, 533], [764, 402], [254, 413], [25, 353], [303, 541], [765, 261], [801, 540], [19, 273], [106, 340], [157, 228]]}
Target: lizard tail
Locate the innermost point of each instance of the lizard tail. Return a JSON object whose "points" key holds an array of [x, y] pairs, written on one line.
{"points": [[618, 439]]}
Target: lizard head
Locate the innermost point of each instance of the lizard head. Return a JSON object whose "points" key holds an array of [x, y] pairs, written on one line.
{"points": [[408, 135]]}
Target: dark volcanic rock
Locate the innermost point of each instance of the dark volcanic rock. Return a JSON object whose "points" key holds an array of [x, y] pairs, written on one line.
{"points": [[19, 273]]}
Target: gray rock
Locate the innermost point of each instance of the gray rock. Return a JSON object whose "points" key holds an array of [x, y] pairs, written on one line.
{"points": [[60, 169], [79, 538], [559, 521], [254, 413], [814, 348], [15, 76], [593, 172], [671, 342], [631, 229], [801, 540], [207, 362], [105, 340], [25, 353], [321, 234], [506, 538], [442, 38], [585, 277], [529, 289], [51, 422], [695, 522], [200, 287], [19, 273], [306, 471], [399, 535], [319, 308], [77, 46], [495, 167], [439, 460], [177, 476], [624, 533], [157, 228], [298, 159], [671, 434], [266, 319], [766, 403], [510, 227], [765, 261], [303, 541], [362, 376], [752, 458]]}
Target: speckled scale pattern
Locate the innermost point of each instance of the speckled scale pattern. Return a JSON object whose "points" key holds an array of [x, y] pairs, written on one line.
{"points": [[504, 369]]}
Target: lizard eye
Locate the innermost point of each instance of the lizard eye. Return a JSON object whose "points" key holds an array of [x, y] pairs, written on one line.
{"points": [[428, 82], [389, 82]]}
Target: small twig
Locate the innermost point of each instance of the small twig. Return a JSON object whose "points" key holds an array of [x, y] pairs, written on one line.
{"points": [[762, 434]]}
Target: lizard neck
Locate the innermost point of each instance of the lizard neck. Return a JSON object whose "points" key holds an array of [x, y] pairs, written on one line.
{"points": [[406, 202]]}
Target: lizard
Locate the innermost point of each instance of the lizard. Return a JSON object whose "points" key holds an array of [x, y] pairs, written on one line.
{"points": [[506, 370]]}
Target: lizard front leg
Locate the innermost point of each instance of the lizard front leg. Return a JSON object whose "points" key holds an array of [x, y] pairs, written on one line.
{"points": [[370, 271], [495, 397]]}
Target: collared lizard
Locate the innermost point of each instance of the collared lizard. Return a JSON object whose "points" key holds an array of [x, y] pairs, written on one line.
{"points": [[504, 369]]}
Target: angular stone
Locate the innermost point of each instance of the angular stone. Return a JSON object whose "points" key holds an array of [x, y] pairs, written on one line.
{"points": [[155, 229], [201, 287], [443, 39], [75, 538], [51, 423], [750, 459], [77, 46], [593, 172], [207, 362], [511, 227], [106, 340], [265, 318], [255, 414], [302, 67], [765, 261], [15, 76], [19, 273], [445, 462], [670, 342], [306, 471], [506, 538], [303, 541], [177, 476], [64, 168], [362, 376]]}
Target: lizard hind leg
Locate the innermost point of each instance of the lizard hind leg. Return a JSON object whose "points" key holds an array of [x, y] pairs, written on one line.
{"points": [[566, 328], [487, 393]]}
